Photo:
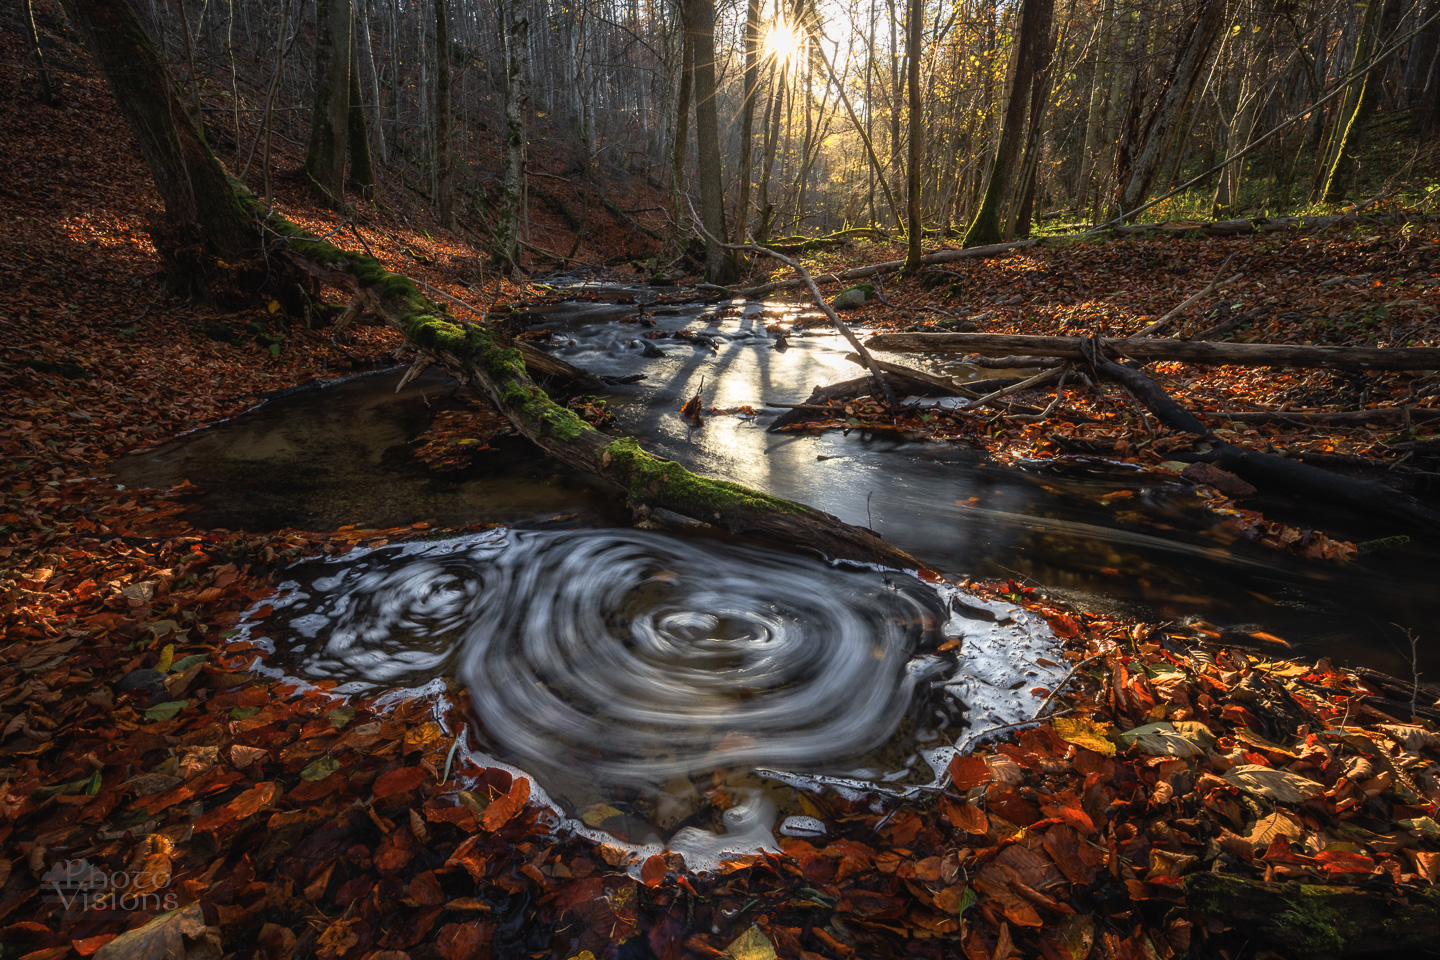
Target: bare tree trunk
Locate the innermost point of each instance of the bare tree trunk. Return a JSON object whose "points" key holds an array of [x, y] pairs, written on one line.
{"points": [[1162, 126], [1032, 35], [914, 229], [200, 206], [443, 162], [362, 170], [364, 38], [700, 23], [681, 143], [772, 140], [1342, 170], [47, 94], [747, 116], [516, 29], [330, 124]]}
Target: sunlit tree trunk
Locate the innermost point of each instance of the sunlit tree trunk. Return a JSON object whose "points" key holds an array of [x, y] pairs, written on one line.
{"points": [[1181, 84], [700, 23], [747, 116], [914, 228], [678, 216], [1032, 36], [330, 122]]}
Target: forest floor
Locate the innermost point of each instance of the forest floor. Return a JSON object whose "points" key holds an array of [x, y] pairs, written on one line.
{"points": [[234, 815]]}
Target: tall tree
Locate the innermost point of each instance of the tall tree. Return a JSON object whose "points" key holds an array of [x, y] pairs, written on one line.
{"points": [[1180, 84], [1376, 32], [443, 164], [914, 229], [201, 209], [681, 141], [516, 27], [1032, 36], [362, 169], [330, 122], [700, 23], [747, 115]]}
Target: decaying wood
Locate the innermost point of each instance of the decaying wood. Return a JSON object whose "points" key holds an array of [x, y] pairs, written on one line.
{"points": [[1266, 470], [1150, 349], [1320, 920]]}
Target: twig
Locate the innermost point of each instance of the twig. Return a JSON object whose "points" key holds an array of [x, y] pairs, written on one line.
{"points": [[814, 292], [1045, 376], [1059, 392], [1215, 284], [1061, 685]]}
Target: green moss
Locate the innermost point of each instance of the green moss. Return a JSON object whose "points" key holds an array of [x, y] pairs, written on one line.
{"points": [[650, 478], [1315, 928], [503, 364]]}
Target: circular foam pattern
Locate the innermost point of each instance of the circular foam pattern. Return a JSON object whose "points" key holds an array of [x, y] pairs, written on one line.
{"points": [[633, 656]]}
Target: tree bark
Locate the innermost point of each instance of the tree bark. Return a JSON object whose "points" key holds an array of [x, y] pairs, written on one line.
{"points": [[516, 28], [200, 206], [747, 118], [444, 167], [362, 170], [1183, 77], [1151, 349], [330, 121], [914, 229], [1342, 170], [700, 23], [681, 143], [1032, 36], [47, 94]]}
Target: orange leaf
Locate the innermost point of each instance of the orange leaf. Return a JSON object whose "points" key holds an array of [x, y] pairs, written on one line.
{"points": [[401, 780], [91, 944], [654, 871], [503, 809], [968, 771]]}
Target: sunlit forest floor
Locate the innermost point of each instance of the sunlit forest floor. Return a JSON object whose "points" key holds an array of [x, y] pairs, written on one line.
{"points": [[283, 822]]}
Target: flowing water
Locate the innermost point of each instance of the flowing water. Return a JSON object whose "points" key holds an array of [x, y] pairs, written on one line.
{"points": [[632, 671]]}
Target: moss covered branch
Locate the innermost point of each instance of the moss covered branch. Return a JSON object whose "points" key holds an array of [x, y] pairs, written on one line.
{"points": [[474, 355]]}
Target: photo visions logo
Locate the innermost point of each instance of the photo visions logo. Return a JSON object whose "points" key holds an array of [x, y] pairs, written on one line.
{"points": [[79, 883]]}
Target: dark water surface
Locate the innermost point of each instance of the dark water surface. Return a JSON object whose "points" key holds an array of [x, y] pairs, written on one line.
{"points": [[343, 454]]}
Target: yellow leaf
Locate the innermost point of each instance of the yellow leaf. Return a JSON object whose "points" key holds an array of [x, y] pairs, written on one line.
{"points": [[167, 657], [274, 306], [598, 814], [1085, 733], [751, 945]]}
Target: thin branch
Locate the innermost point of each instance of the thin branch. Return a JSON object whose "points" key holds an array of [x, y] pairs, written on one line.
{"points": [[815, 293]]}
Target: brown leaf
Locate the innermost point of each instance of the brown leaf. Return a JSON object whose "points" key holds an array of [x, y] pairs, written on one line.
{"points": [[503, 809]]}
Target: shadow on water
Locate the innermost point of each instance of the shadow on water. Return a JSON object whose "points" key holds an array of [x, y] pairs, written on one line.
{"points": [[1090, 534]]}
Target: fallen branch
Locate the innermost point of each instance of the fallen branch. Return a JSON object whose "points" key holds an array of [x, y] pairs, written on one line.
{"points": [[1263, 469], [1044, 377], [1189, 302], [829, 311], [1388, 416], [1150, 349]]}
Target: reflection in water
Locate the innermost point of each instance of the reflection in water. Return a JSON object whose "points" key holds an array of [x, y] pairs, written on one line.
{"points": [[614, 663]]}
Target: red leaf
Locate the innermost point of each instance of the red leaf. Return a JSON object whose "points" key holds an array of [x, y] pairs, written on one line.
{"points": [[967, 771], [654, 871], [503, 809], [401, 780]]}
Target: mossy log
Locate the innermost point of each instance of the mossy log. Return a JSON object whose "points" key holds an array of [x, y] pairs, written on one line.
{"points": [[1316, 920], [474, 356]]}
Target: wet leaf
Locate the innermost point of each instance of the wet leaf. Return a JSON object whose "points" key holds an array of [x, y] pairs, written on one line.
{"points": [[503, 809], [595, 816], [320, 769], [751, 945], [400, 780], [166, 711], [180, 935], [1085, 733], [1161, 740]]}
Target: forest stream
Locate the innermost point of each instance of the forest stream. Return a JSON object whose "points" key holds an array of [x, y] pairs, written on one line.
{"points": [[621, 667]]}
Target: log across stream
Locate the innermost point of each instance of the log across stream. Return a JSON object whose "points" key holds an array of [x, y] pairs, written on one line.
{"points": [[1091, 534]]}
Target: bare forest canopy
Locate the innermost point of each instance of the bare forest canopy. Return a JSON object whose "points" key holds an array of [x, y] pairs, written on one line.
{"points": [[798, 117]]}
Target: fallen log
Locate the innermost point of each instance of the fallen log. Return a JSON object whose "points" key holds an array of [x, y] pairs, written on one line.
{"points": [[1368, 497], [474, 356], [1320, 920], [1383, 416], [1220, 228], [1150, 349]]}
